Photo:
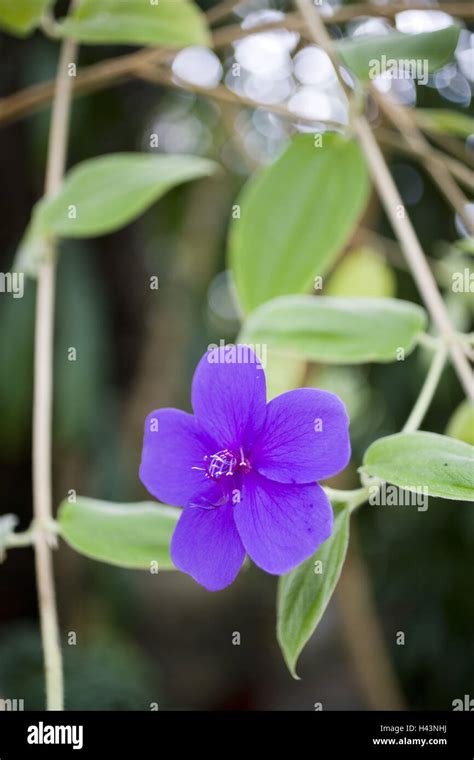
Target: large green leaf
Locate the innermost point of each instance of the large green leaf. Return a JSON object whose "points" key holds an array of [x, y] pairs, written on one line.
{"points": [[295, 217], [127, 535], [336, 330], [172, 23], [413, 461], [20, 17], [437, 48], [103, 194], [445, 121], [304, 594]]}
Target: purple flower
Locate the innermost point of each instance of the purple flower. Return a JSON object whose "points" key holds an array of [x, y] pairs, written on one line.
{"points": [[245, 471]]}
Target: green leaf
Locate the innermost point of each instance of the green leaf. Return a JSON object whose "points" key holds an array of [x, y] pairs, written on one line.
{"points": [[295, 217], [364, 273], [103, 194], [172, 23], [20, 17], [445, 121], [127, 535], [304, 594], [441, 465], [336, 330], [363, 55], [461, 424]]}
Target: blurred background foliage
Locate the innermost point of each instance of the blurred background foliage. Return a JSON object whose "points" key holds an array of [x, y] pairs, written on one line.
{"points": [[144, 638]]}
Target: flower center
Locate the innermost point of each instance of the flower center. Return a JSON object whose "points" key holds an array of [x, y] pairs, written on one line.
{"points": [[225, 463]]}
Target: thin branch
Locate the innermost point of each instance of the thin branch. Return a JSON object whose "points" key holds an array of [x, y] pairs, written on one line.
{"points": [[90, 79], [43, 395], [412, 250], [395, 211], [391, 139], [222, 93], [427, 392], [447, 143], [437, 168], [222, 10], [390, 10], [116, 70]]}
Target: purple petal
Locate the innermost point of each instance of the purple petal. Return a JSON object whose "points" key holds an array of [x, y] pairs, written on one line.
{"points": [[174, 444], [229, 395], [206, 545], [305, 437], [280, 524]]}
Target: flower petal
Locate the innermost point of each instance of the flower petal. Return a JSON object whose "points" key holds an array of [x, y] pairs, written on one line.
{"points": [[174, 444], [280, 524], [305, 437], [206, 545], [229, 395]]}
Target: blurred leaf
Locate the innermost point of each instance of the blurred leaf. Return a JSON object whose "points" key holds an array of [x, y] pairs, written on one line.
{"points": [[361, 53], [445, 121], [352, 386], [127, 535], [304, 594], [282, 375], [20, 17], [336, 330], [103, 194], [461, 423], [466, 245], [172, 23], [296, 216], [362, 272], [442, 465]]}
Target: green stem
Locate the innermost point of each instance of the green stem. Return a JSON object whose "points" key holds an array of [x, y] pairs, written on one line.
{"points": [[18, 540], [428, 341], [427, 392]]}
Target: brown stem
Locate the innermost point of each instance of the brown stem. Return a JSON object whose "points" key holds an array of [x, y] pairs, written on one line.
{"points": [[438, 169], [116, 70], [395, 211], [43, 396], [222, 10], [391, 139], [222, 93]]}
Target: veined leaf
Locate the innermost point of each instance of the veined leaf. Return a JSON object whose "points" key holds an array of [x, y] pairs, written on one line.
{"points": [[336, 330], [441, 465], [295, 217], [304, 594], [363, 55], [127, 535], [102, 195]]}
